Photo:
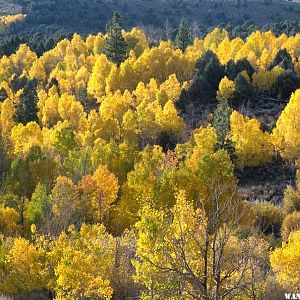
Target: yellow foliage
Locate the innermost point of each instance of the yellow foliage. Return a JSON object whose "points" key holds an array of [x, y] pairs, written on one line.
{"points": [[285, 262], [168, 119], [26, 136], [82, 262], [9, 221], [97, 81], [25, 269], [50, 115], [172, 88], [94, 118], [290, 223], [205, 139], [226, 89], [214, 38], [97, 43], [183, 243], [71, 110], [7, 120], [99, 192], [22, 60], [286, 134], [115, 105], [252, 146], [265, 80], [8, 20], [136, 41], [38, 70]]}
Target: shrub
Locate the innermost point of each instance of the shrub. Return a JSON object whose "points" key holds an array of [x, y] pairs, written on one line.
{"points": [[268, 217], [291, 223], [291, 200], [286, 83]]}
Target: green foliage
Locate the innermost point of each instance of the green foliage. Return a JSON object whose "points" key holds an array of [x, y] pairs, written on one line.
{"points": [[119, 158], [205, 83], [26, 174], [221, 124], [28, 171], [221, 121], [27, 108], [234, 68], [183, 39], [244, 91], [115, 46], [282, 59], [78, 163], [210, 67], [112, 163], [39, 206], [3, 95], [64, 140], [10, 200], [286, 84]]}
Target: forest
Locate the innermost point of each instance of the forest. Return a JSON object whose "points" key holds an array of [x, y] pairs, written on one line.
{"points": [[49, 21], [155, 171]]}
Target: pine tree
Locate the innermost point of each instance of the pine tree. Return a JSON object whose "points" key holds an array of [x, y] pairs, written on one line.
{"points": [[115, 47], [244, 91], [183, 39], [282, 59], [221, 124], [221, 121], [27, 109]]}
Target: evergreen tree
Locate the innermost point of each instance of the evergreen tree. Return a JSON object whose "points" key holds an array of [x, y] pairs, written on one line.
{"points": [[234, 68], [282, 59], [27, 108], [244, 91], [221, 120], [286, 84], [203, 86], [221, 124], [115, 47], [210, 67], [183, 39]]}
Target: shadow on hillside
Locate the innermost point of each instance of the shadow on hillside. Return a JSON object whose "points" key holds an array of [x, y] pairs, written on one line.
{"points": [[266, 182]]}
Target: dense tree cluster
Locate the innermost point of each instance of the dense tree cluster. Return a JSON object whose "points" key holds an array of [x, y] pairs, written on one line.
{"points": [[107, 191], [38, 42], [243, 71]]}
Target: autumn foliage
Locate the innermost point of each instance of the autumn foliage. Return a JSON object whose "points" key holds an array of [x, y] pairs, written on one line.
{"points": [[111, 183]]}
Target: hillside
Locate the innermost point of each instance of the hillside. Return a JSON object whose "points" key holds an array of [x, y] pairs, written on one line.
{"points": [[91, 16], [9, 7]]}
